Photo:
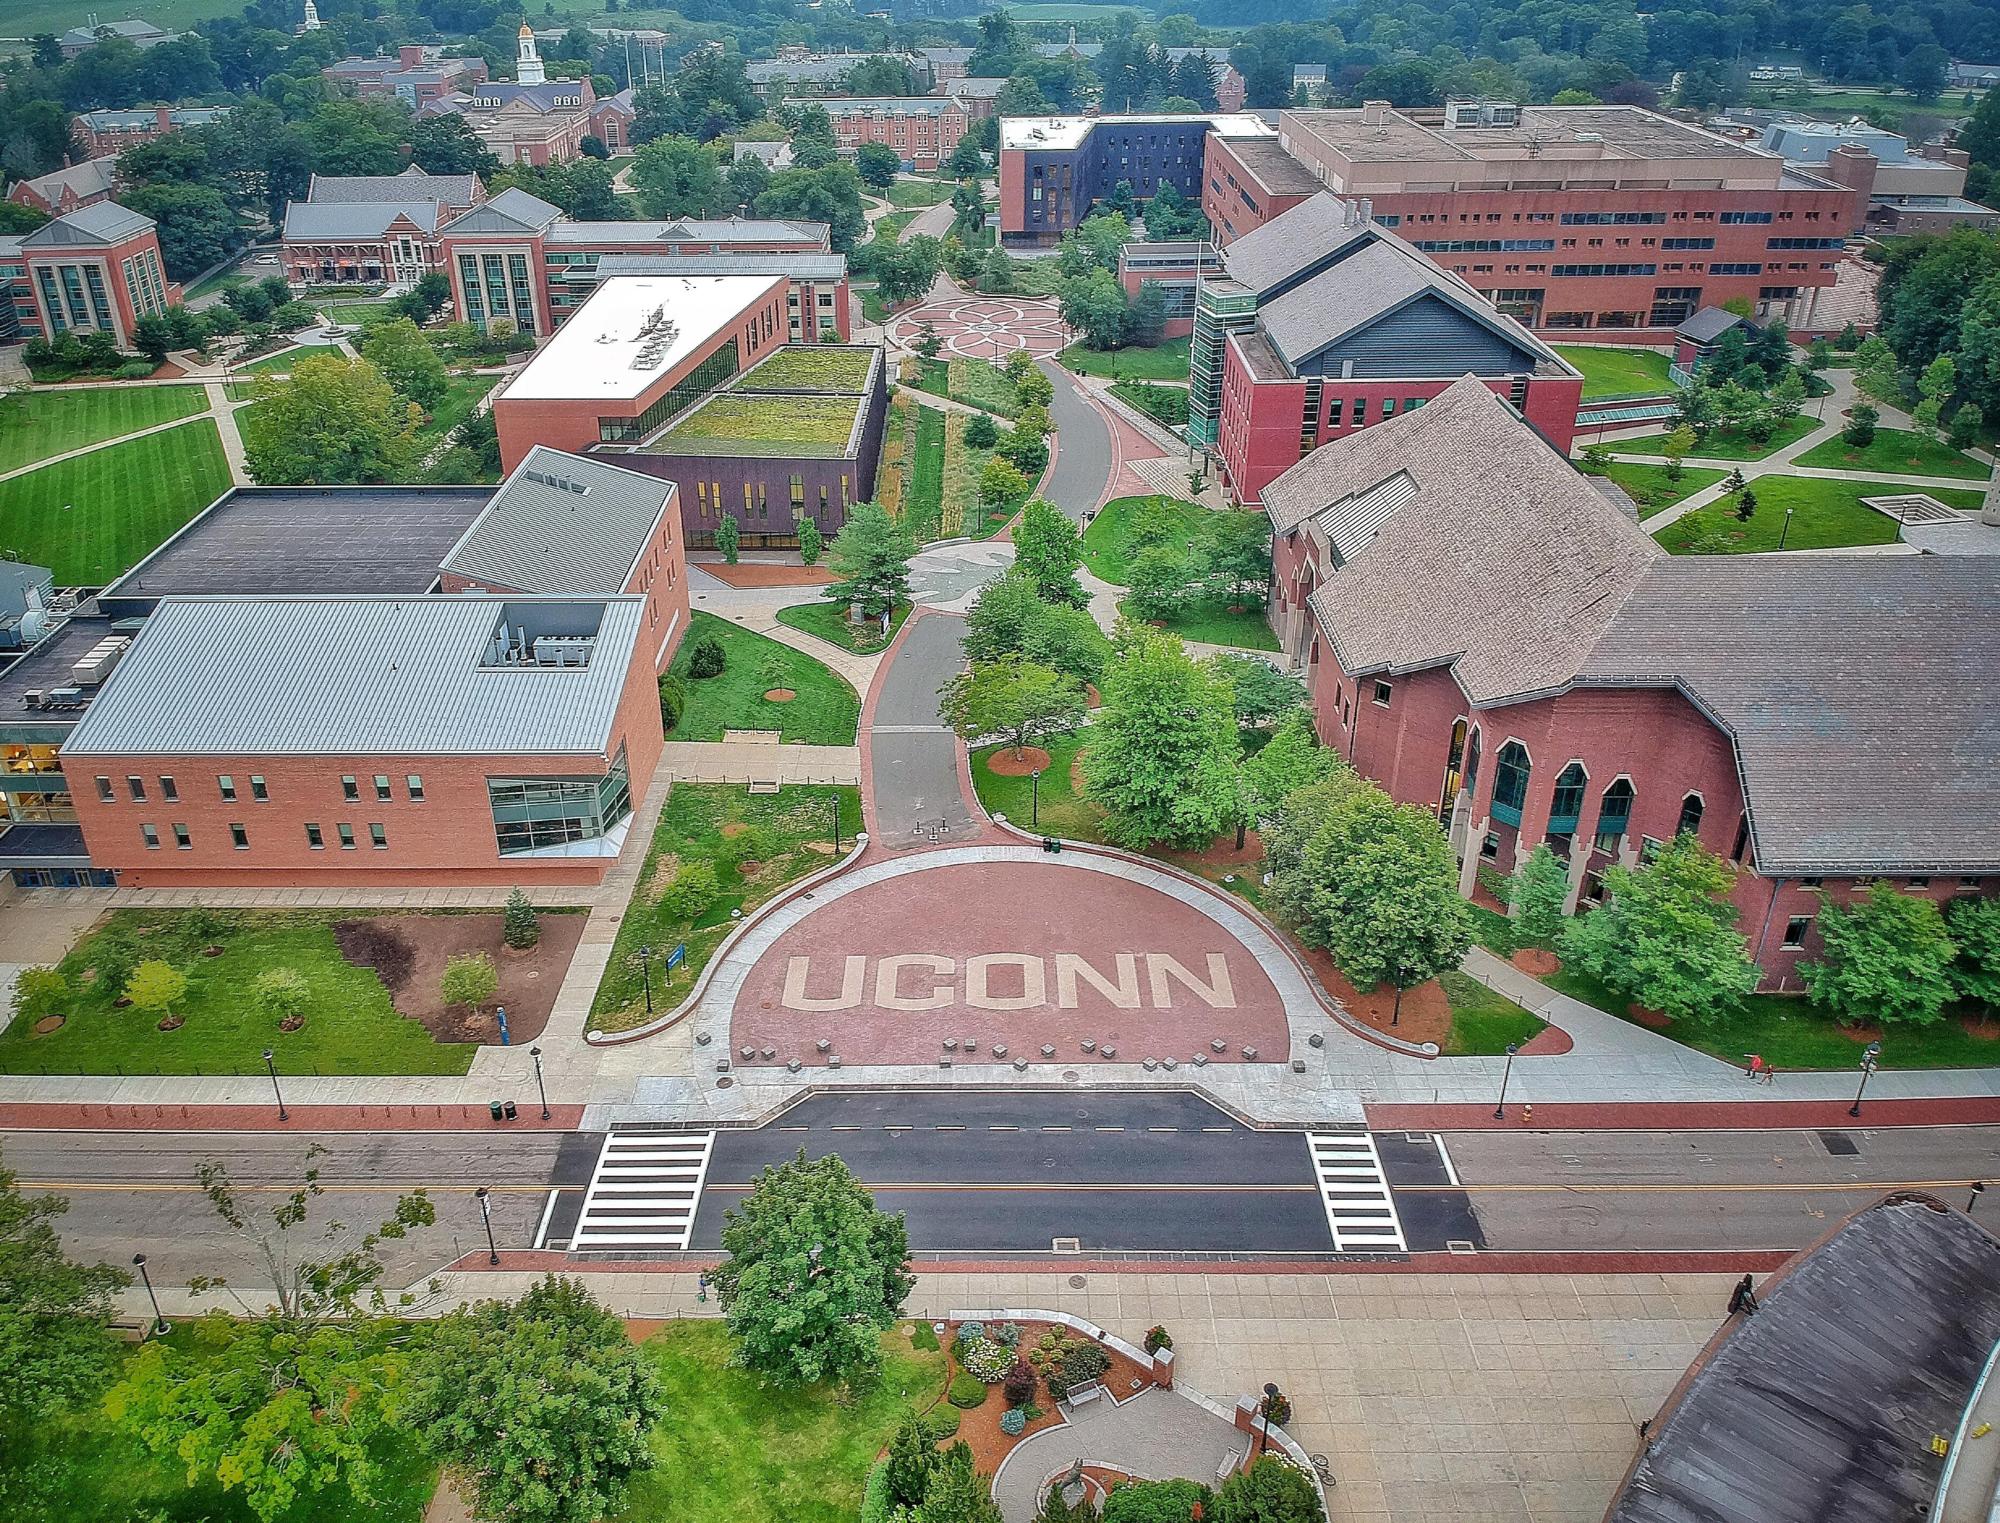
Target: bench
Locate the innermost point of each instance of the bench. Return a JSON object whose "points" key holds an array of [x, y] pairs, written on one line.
{"points": [[1229, 1464], [1089, 1391]]}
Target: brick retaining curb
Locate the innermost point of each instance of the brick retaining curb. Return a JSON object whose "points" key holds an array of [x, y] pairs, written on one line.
{"points": [[76, 1116], [1685, 1115]]}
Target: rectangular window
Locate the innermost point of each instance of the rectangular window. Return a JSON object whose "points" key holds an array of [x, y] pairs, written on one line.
{"points": [[104, 790], [169, 791], [378, 837], [1388, 407], [258, 791], [1334, 407], [1918, 883], [1968, 885], [182, 839], [227, 787], [136, 786], [1490, 847], [349, 788], [239, 838], [1735, 269], [314, 839], [1810, 882], [1610, 219], [151, 836], [1382, 690], [1795, 930], [1728, 218], [416, 786], [346, 837], [381, 785]]}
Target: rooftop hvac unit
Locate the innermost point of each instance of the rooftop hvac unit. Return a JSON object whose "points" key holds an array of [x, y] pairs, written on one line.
{"points": [[63, 698], [32, 698], [98, 661], [564, 650]]}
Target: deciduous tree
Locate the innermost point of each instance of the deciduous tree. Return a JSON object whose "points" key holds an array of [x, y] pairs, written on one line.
{"points": [[678, 177], [1537, 894], [156, 987], [1886, 956], [1162, 758], [1269, 1491], [54, 1312], [334, 422], [814, 1273], [1018, 700], [1048, 549], [408, 361], [878, 165], [1974, 927], [1292, 759]]}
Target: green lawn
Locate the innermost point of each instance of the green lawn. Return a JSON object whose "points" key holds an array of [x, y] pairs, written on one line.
{"points": [[39, 424], [873, 308], [826, 711], [915, 195], [1062, 810], [1210, 621], [1107, 537], [1895, 450], [283, 360], [90, 518], [829, 622], [458, 404], [1648, 486], [351, 1026], [1167, 361], [1825, 515], [1611, 372], [787, 835], [80, 1468], [973, 382], [1483, 1023], [355, 313], [1165, 405], [1723, 443], [736, 1449]]}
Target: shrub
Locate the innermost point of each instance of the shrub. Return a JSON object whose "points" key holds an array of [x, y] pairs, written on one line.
{"points": [[1083, 1362], [970, 1332], [134, 370], [282, 993], [811, 542], [40, 992], [941, 1423], [693, 890], [875, 1494], [1158, 1338], [1859, 430], [1020, 1384], [1008, 1333], [1013, 1422], [202, 927], [966, 1391], [986, 1359], [673, 700], [519, 928], [156, 986], [922, 1337], [470, 980], [706, 659]]}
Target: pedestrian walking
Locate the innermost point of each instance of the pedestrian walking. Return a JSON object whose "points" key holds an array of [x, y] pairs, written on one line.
{"points": [[1756, 1066], [1767, 1074]]}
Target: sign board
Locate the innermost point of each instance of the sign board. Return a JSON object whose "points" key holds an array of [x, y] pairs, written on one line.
{"points": [[678, 956]]}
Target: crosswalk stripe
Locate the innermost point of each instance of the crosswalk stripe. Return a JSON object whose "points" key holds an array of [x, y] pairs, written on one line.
{"points": [[1360, 1211], [644, 1191]]}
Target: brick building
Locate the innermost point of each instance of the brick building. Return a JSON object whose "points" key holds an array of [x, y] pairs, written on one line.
{"points": [[416, 76], [530, 119], [64, 190], [1583, 217], [651, 372], [142, 34], [1489, 636], [96, 270], [371, 229], [1054, 168], [106, 134], [1322, 323], [923, 129], [518, 259]]}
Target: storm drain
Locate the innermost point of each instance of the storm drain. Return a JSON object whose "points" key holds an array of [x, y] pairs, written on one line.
{"points": [[1066, 1245], [1839, 1144]]}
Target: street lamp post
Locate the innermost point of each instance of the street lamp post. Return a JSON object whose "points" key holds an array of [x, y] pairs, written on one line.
{"points": [[540, 1088], [1035, 798], [485, 1199], [159, 1322], [646, 971], [835, 801], [1978, 1189], [1270, 1405], [271, 1067], [1786, 530], [1500, 1110], [1870, 1058]]}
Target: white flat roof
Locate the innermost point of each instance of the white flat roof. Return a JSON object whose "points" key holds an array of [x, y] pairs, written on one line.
{"points": [[1057, 132], [632, 332]]}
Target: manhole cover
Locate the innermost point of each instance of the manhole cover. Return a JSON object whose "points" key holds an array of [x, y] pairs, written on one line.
{"points": [[1076, 1280], [724, 1082], [1069, 1076]]}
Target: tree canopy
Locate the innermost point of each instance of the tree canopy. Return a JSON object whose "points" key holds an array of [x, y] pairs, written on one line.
{"points": [[333, 422], [1162, 758]]}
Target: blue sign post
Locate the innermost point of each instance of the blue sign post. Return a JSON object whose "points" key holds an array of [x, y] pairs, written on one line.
{"points": [[678, 956]]}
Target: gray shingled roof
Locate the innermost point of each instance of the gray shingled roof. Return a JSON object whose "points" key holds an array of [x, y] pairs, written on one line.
{"points": [[90, 226], [1708, 325], [1289, 242], [411, 185], [797, 264], [93, 177], [1505, 563], [314, 676], [540, 534], [513, 210], [355, 219], [1820, 1407], [1859, 690], [687, 230]]}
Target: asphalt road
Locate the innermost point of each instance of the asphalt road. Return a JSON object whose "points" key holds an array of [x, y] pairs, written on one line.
{"points": [[1083, 447], [914, 757]]}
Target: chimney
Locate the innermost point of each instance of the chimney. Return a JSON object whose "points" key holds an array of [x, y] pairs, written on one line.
{"points": [[163, 118], [1375, 113], [1365, 209]]}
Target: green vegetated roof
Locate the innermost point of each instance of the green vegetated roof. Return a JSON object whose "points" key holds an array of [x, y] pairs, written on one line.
{"points": [[809, 367], [736, 423]]}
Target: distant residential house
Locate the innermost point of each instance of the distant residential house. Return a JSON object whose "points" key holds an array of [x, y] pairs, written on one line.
{"points": [[776, 155], [64, 190], [801, 72], [1309, 79], [922, 129], [945, 63], [141, 34], [1973, 76], [979, 97], [106, 134], [611, 120]]}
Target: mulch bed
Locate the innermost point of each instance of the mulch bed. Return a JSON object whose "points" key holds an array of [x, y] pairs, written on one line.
{"points": [[1222, 852], [1536, 962], [1549, 1042], [766, 574], [408, 953], [779, 695], [1004, 763], [1426, 1013]]}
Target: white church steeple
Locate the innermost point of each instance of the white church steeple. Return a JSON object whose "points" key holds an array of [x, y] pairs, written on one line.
{"points": [[312, 23], [528, 68]]}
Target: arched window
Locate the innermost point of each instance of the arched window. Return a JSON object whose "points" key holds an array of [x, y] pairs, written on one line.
{"points": [[1568, 801], [1472, 764], [1510, 782], [1613, 815], [1690, 823]]}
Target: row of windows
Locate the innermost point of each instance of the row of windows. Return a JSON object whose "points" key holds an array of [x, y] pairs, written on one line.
{"points": [[239, 837], [1610, 219], [1588, 219], [1805, 243], [1605, 269], [260, 792], [1485, 245]]}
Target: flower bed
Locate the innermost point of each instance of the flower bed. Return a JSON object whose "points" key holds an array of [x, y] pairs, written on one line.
{"points": [[981, 1426]]}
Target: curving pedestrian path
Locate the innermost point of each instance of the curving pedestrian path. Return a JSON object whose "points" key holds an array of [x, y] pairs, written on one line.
{"points": [[1156, 1436]]}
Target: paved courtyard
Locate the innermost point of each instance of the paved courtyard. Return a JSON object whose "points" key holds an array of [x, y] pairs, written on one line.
{"points": [[985, 327]]}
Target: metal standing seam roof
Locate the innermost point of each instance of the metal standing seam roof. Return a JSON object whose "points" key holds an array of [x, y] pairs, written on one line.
{"points": [[688, 230], [355, 219], [540, 534], [512, 211], [802, 264], [347, 676], [1313, 230], [100, 223], [411, 185], [1820, 1406]]}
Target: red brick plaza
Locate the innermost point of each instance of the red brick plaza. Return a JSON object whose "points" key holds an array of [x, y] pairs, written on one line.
{"points": [[1002, 958], [985, 327]]}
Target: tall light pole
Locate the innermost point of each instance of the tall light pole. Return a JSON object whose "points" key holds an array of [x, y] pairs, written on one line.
{"points": [[484, 1196], [1271, 1397], [1871, 1057], [1786, 530], [271, 1067], [835, 801], [646, 971], [159, 1322], [1500, 1110], [1978, 1189], [540, 1088], [1035, 798]]}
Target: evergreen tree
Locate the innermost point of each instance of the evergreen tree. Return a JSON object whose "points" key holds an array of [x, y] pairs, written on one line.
{"points": [[870, 561], [1537, 894], [520, 929]]}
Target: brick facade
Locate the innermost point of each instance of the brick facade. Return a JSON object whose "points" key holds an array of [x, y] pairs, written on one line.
{"points": [[923, 130]]}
